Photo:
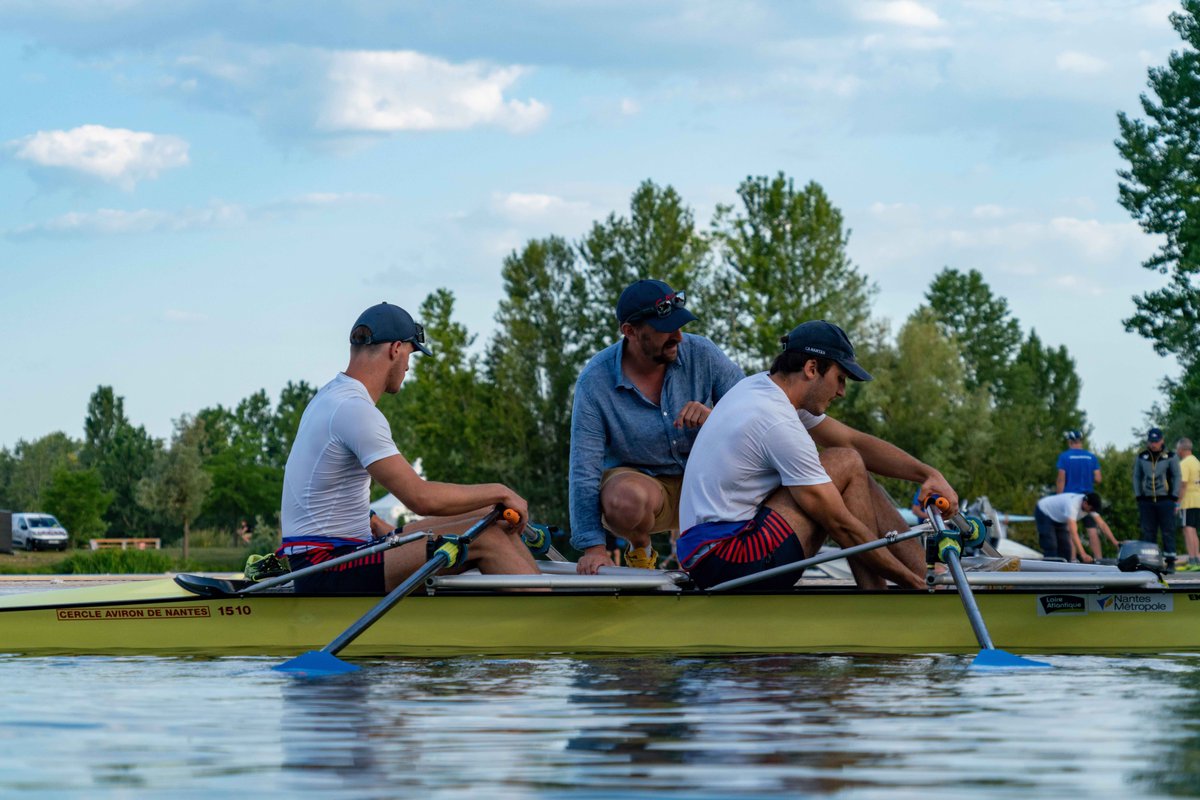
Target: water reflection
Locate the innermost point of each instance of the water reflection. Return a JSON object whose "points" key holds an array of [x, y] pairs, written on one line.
{"points": [[779, 726]]}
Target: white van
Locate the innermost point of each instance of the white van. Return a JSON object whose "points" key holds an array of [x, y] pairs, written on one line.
{"points": [[38, 532]]}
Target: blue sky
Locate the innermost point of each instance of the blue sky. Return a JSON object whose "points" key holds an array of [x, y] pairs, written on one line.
{"points": [[197, 198]]}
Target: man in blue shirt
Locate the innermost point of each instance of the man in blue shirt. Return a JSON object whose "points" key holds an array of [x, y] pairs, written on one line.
{"points": [[638, 406], [1078, 473], [1078, 469]]}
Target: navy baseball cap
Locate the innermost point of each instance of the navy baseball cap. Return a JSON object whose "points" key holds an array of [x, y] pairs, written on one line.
{"points": [[655, 303], [389, 323], [1154, 435], [821, 338]]}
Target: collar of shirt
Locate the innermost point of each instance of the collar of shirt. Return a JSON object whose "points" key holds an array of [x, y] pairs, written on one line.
{"points": [[618, 374]]}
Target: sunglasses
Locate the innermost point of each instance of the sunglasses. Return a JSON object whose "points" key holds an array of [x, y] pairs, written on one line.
{"points": [[661, 307], [419, 335]]}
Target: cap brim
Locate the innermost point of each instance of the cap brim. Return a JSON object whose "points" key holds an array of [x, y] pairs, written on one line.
{"points": [[671, 322], [423, 348], [855, 371]]}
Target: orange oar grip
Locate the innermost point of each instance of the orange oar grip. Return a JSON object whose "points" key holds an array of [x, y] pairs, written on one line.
{"points": [[942, 503], [511, 516]]}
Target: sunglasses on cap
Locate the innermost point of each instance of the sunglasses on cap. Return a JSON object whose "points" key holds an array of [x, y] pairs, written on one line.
{"points": [[661, 307]]}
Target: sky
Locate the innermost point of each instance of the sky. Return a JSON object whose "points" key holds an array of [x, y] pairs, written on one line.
{"points": [[198, 198]]}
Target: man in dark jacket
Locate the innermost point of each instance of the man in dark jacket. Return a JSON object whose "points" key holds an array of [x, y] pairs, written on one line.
{"points": [[1156, 482]]}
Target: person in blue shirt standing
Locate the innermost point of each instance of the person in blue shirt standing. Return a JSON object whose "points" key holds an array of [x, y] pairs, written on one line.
{"points": [[1078, 473], [639, 404]]}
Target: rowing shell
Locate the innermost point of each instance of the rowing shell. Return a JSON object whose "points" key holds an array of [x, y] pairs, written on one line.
{"points": [[604, 615]]}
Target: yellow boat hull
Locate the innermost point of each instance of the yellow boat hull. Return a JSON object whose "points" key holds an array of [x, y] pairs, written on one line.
{"points": [[159, 617]]}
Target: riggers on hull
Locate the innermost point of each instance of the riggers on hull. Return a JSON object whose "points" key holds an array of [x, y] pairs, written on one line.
{"points": [[160, 617]]}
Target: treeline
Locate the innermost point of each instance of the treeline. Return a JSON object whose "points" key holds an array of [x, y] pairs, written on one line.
{"points": [[961, 385]]}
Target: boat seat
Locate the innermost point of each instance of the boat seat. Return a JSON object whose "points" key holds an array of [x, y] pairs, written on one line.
{"points": [[207, 586]]}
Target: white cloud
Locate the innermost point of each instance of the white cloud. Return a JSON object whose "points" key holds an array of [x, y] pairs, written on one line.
{"points": [[1080, 63], [988, 211], [905, 13], [390, 91], [522, 207], [114, 155], [629, 107], [181, 315]]}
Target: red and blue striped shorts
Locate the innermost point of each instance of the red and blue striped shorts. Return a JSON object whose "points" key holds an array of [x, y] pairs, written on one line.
{"points": [[762, 543]]}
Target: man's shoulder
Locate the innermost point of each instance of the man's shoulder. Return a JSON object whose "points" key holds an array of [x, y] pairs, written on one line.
{"points": [[600, 364]]}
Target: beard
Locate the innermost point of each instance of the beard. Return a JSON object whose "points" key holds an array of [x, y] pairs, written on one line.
{"points": [[660, 354]]}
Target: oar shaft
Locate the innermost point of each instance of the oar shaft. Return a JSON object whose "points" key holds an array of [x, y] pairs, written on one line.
{"points": [[439, 560], [395, 596], [884, 541]]}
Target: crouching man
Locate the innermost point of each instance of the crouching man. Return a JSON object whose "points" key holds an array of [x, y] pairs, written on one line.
{"points": [[344, 441], [757, 493]]}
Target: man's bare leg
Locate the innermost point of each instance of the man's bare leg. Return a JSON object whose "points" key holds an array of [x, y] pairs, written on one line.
{"points": [[888, 519], [845, 468], [496, 550], [630, 503], [1094, 541]]}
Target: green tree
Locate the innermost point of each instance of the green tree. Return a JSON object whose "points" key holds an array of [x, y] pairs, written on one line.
{"points": [[177, 485], [293, 399], [440, 416], [8, 465], [978, 320], [35, 464], [1161, 190], [657, 240], [121, 453], [534, 360], [78, 499], [785, 261]]}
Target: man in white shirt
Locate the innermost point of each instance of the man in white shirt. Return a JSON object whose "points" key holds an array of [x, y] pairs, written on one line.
{"points": [[757, 494], [1057, 516], [344, 441]]}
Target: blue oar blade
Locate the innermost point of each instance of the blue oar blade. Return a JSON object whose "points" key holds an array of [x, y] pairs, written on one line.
{"points": [[316, 663], [1001, 659]]}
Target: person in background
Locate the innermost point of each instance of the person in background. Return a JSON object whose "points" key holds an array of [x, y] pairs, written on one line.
{"points": [[1078, 473], [917, 509], [1156, 483], [1057, 516], [1189, 500], [638, 406]]}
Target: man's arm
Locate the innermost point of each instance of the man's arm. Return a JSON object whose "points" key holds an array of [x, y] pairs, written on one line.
{"points": [[584, 473], [1103, 526], [1137, 468], [434, 498], [1073, 529], [1061, 482], [1176, 476], [883, 458], [824, 505]]}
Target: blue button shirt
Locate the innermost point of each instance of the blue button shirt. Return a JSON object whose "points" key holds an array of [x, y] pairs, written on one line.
{"points": [[614, 425], [1080, 467]]}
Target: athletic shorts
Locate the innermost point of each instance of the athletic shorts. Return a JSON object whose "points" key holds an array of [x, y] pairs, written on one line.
{"points": [[762, 543], [361, 576], [1089, 521], [1191, 517], [671, 485]]}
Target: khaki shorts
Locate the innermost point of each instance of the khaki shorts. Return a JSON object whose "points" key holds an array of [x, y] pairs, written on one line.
{"points": [[671, 485]]}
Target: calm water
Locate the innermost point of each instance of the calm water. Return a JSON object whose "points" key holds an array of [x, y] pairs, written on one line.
{"points": [[859, 727]]}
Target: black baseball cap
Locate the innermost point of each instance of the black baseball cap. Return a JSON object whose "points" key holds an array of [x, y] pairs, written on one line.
{"points": [[656, 303], [1154, 435], [389, 323], [1094, 501], [821, 338]]}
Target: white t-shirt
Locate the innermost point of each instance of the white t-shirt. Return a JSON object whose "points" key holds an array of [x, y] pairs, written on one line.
{"points": [[1062, 507], [326, 487], [753, 442]]}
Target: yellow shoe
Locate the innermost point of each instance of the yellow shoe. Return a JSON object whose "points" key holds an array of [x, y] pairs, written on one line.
{"points": [[638, 558]]}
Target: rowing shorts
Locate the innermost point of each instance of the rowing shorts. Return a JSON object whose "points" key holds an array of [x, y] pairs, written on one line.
{"points": [[762, 543], [361, 576], [1089, 521], [1191, 517]]}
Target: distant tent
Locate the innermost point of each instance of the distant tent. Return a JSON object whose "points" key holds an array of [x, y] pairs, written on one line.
{"points": [[390, 509]]}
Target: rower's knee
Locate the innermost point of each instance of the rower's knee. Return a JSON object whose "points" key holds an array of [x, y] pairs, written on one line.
{"points": [[842, 463], [629, 505]]}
